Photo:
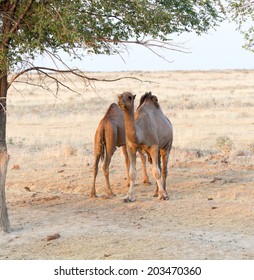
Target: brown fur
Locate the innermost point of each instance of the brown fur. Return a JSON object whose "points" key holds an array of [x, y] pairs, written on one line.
{"points": [[149, 130], [110, 134]]}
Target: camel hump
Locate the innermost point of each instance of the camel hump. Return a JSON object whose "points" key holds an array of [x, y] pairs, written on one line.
{"points": [[149, 96], [113, 111]]}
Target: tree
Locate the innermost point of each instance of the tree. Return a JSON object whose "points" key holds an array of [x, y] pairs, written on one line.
{"points": [[32, 27], [242, 12]]}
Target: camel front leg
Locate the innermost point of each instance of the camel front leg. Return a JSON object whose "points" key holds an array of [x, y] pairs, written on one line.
{"points": [[132, 175], [127, 164], [157, 174]]}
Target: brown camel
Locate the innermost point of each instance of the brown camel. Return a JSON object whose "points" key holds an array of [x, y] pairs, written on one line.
{"points": [[110, 134], [148, 130]]}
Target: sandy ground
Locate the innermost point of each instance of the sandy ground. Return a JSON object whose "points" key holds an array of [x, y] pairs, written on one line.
{"points": [[210, 211]]}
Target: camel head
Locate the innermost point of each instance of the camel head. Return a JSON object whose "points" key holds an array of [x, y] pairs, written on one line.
{"points": [[155, 101], [126, 101]]}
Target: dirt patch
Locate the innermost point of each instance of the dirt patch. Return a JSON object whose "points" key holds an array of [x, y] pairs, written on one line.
{"points": [[209, 216]]}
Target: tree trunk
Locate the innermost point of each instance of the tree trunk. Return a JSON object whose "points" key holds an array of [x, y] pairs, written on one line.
{"points": [[4, 157], [4, 219]]}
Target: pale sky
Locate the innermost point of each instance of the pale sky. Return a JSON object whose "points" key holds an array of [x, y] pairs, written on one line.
{"points": [[219, 49]]}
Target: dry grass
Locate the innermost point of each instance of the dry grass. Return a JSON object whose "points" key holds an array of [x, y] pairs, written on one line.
{"points": [[224, 144], [202, 106]]}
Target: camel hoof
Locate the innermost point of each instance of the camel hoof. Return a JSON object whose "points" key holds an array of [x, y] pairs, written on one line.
{"points": [[147, 183], [93, 194], [129, 199], [155, 195], [107, 196], [111, 195], [163, 197]]}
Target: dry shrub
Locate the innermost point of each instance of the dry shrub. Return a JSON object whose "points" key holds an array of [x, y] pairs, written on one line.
{"points": [[224, 144], [251, 147], [70, 151]]}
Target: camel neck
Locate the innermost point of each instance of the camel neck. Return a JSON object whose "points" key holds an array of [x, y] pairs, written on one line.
{"points": [[129, 123]]}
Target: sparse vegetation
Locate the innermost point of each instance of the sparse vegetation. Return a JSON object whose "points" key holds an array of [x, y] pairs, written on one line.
{"points": [[16, 142], [70, 151], [224, 144], [251, 147]]}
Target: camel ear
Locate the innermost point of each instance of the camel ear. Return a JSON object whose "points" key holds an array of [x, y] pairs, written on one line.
{"points": [[134, 96]]}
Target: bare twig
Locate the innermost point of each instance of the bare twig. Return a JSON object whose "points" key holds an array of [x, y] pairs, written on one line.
{"points": [[73, 71], [2, 101], [47, 72]]}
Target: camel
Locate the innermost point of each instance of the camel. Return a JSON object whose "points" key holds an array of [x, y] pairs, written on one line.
{"points": [[110, 134], [150, 131]]}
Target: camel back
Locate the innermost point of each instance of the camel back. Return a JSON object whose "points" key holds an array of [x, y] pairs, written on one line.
{"points": [[113, 111]]}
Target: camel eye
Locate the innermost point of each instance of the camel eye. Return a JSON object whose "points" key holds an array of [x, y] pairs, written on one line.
{"points": [[130, 98]]}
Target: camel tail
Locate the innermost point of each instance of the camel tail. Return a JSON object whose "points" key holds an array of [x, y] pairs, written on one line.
{"points": [[103, 146], [100, 143]]}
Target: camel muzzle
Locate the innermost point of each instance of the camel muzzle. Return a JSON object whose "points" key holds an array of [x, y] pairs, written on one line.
{"points": [[121, 104]]}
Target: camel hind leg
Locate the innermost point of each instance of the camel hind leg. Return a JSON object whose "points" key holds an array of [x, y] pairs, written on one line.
{"points": [[127, 164], [156, 194], [95, 172], [145, 176], [105, 169], [157, 173], [110, 145], [164, 156]]}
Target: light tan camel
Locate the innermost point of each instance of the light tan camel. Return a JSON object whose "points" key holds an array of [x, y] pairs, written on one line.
{"points": [[148, 130], [110, 134]]}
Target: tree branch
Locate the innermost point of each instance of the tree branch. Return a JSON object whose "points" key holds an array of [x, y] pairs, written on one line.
{"points": [[14, 6], [151, 44], [74, 71], [18, 22], [2, 99]]}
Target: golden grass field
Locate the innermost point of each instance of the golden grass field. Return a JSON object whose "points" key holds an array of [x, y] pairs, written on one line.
{"points": [[211, 171]]}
